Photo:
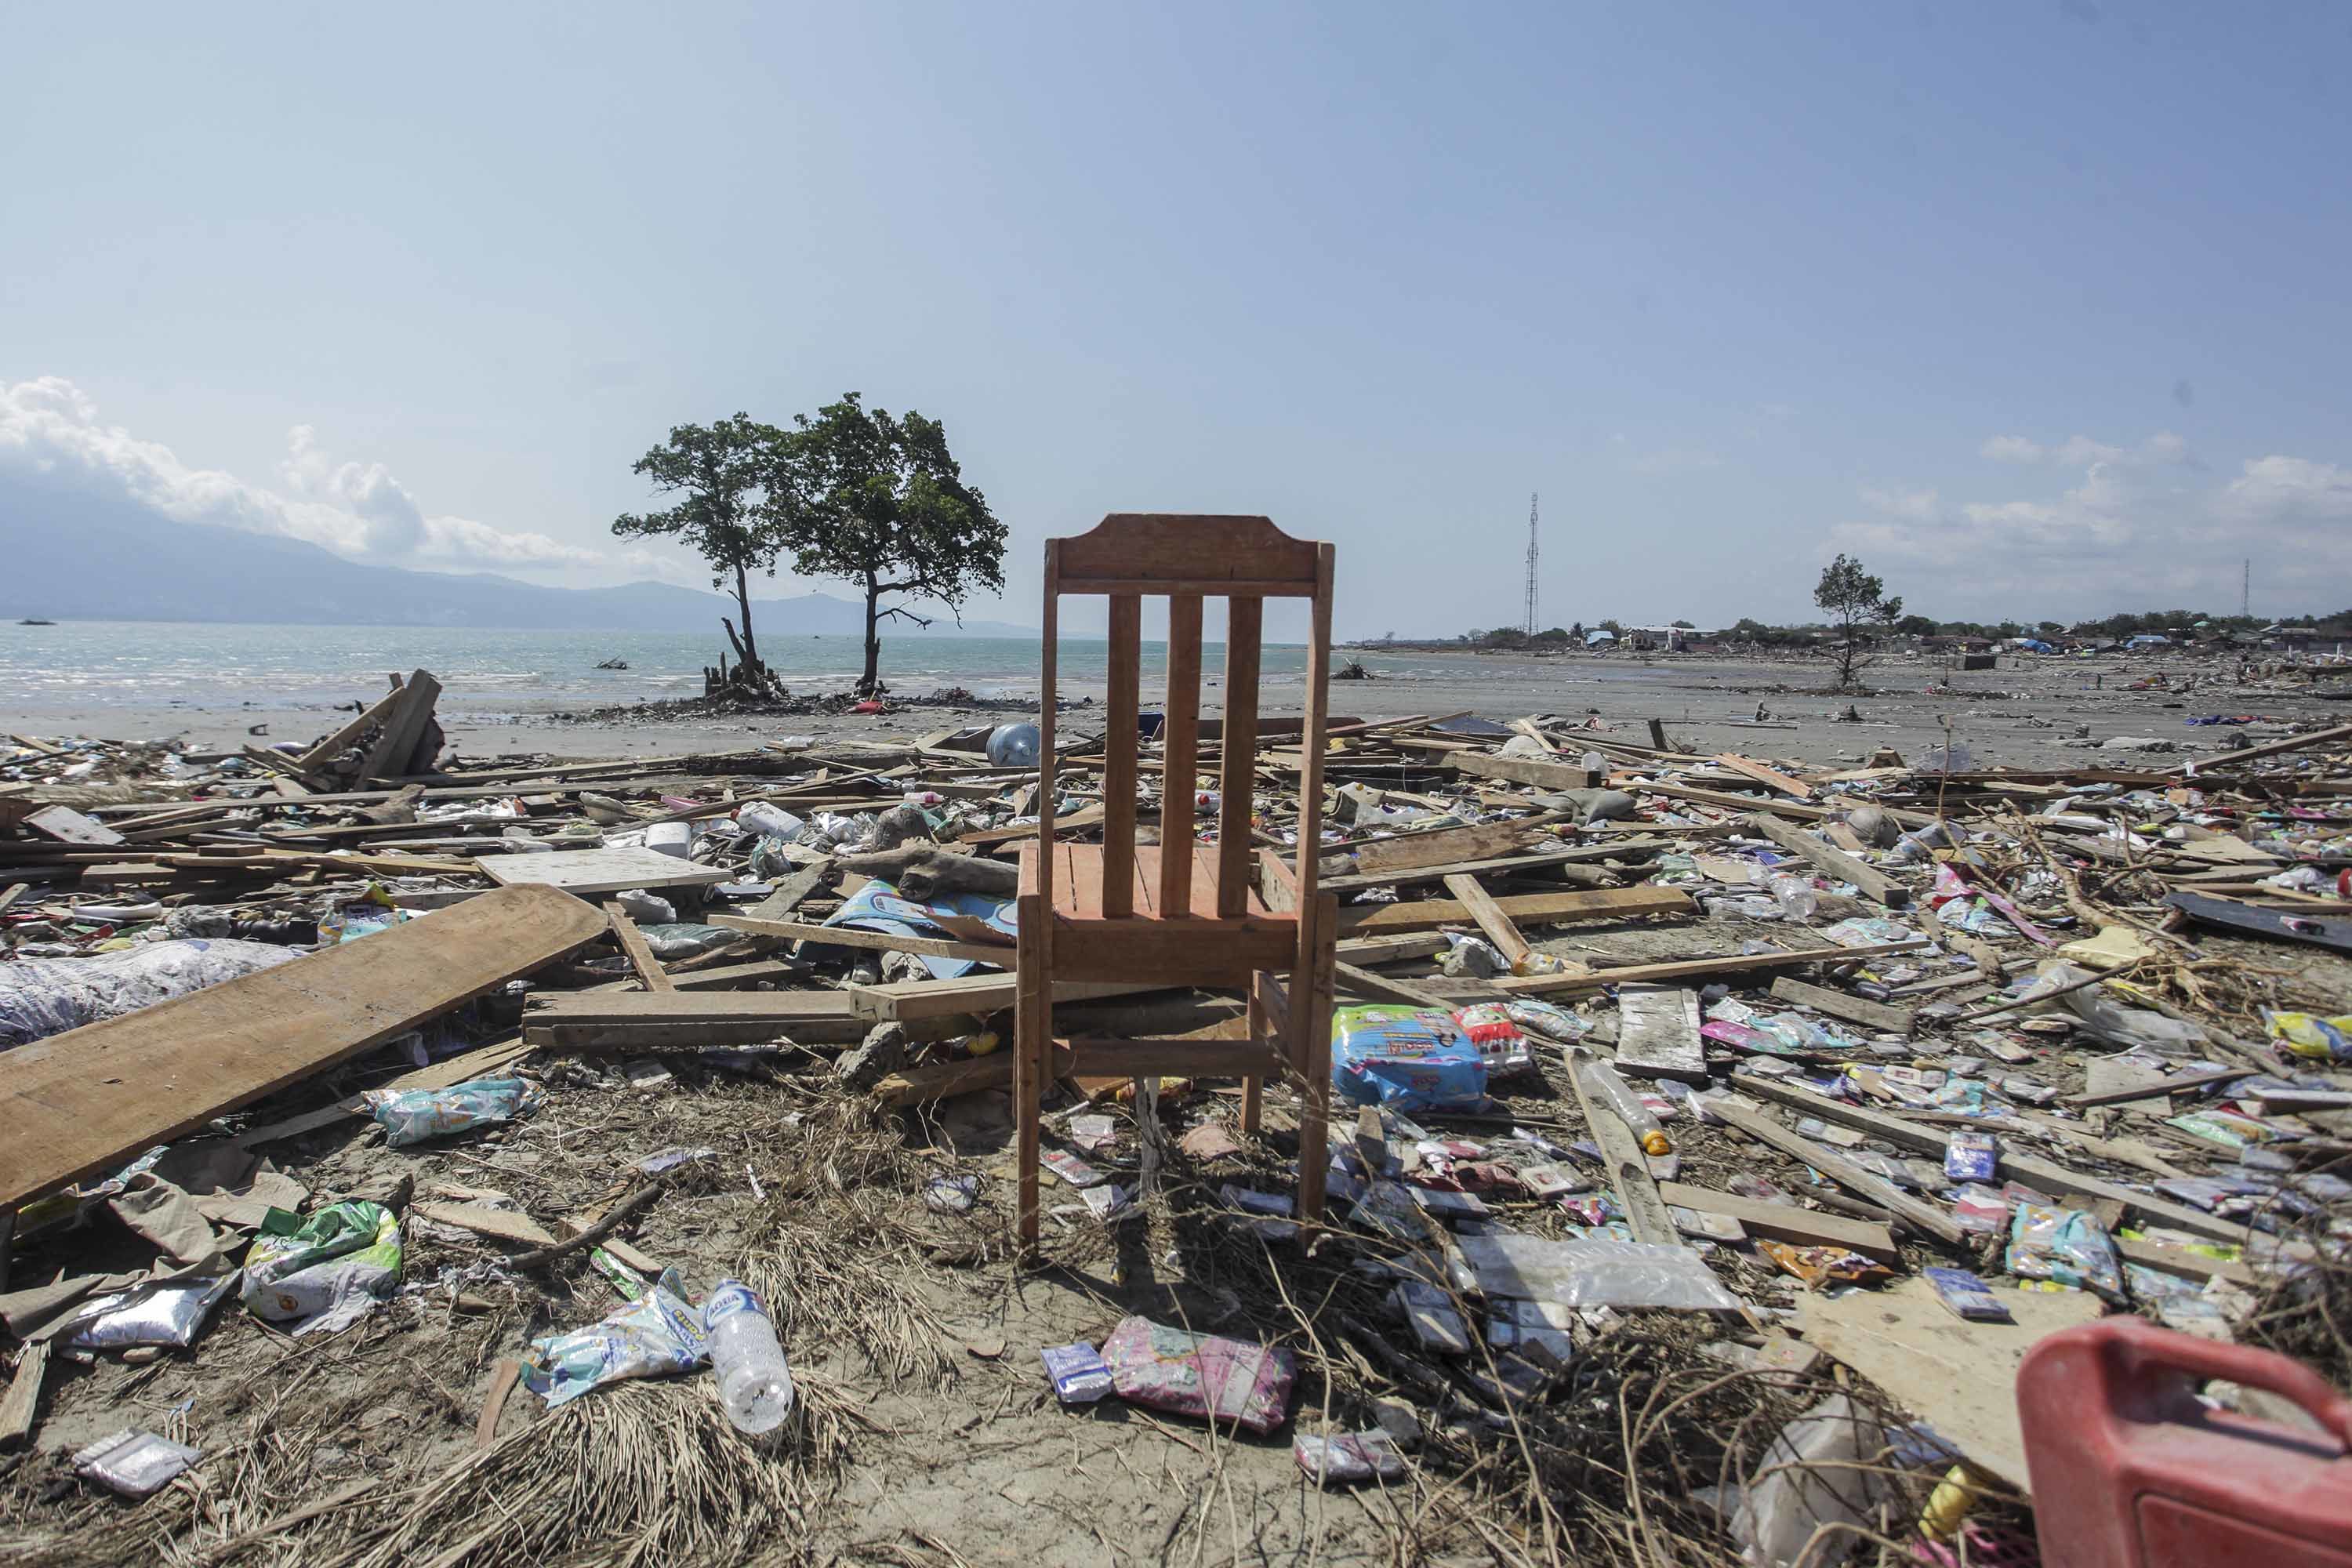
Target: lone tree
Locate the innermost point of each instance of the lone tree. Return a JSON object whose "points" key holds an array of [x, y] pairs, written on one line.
{"points": [[862, 494], [1853, 599], [719, 470]]}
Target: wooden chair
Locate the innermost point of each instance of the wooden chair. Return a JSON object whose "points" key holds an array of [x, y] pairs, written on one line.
{"points": [[1180, 912]]}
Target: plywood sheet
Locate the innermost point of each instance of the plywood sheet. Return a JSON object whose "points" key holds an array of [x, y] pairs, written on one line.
{"points": [[586, 871], [86, 1100]]}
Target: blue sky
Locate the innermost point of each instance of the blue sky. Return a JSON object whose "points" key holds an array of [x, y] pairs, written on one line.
{"points": [[2041, 309]]}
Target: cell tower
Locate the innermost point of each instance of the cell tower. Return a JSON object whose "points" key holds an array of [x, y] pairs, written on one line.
{"points": [[1530, 615], [2246, 590]]}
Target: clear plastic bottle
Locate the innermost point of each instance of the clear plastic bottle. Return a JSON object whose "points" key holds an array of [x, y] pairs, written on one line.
{"points": [[754, 1383], [1601, 1080], [1012, 746], [1796, 896]]}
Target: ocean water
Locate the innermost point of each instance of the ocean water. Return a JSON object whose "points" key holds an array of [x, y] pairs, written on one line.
{"points": [[84, 665]]}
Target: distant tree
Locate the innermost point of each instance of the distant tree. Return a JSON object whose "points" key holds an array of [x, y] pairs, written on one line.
{"points": [[2052, 628], [1557, 633], [1685, 625], [720, 470], [1576, 632], [1854, 599], [1613, 627], [1916, 627], [863, 494]]}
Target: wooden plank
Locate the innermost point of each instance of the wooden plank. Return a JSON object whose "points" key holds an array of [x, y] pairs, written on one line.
{"points": [[1700, 968], [1769, 778], [1534, 771], [1657, 1033], [2042, 1175], [2132, 1082], [1149, 551], [1529, 909], [500, 1225], [1781, 1222], [1181, 752], [22, 1405], [86, 1100], [1839, 1005], [2329, 737], [1125, 665], [977, 994], [1874, 884], [1442, 847], [1628, 1166], [315, 758], [1492, 921], [875, 940], [586, 871], [2184, 1261], [1238, 777], [397, 744], [632, 942], [1921, 1216], [1357, 982], [70, 827]]}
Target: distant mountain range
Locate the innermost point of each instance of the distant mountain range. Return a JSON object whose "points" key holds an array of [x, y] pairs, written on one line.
{"points": [[125, 565]]}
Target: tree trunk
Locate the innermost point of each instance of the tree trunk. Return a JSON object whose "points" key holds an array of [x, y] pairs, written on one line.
{"points": [[871, 681], [751, 649]]}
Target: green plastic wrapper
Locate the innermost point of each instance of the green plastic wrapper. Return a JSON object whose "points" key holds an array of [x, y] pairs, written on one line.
{"points": [[325, 1272]]}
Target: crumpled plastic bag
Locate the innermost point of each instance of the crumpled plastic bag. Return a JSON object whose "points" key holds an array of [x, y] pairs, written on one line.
{"points": [[1206, 1376], [45, 996], [167, 1312], [657, 1334], [684, 939], [2310, 1035], [325, 1272], [1496, 1032], [415, 1115], [2068, 1245], [1406, 1058]]}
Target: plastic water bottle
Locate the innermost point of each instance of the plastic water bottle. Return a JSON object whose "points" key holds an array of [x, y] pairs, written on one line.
{"points": [[1602, 1081], [754, 1383], [1796, 896]]}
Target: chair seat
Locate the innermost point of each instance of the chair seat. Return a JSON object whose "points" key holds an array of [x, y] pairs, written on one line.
{"points": [[1195, 947]]}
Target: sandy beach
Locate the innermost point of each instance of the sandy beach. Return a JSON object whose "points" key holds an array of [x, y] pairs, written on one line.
{"points": [[2023, 714]]}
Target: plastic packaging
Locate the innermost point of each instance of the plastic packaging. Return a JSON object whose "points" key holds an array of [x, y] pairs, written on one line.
{"points": [[1602, 1081], [1497, 1034], [645, 907], [1405, 1057], [685, 938], [766, 818], [1348, 1460], [171, 1313], [2310, 1035], [45, 996], [1076, 1372], [2068, 1245], [1012, 746], [136, 1464], [672, 838], [1199, 1374], [1595, 1272], [1822, 1469], [415, 1115], [654, 1336], [1796, 896], [1971, 1157], [754, 1383], [324, 1272], [1965, 1296]]}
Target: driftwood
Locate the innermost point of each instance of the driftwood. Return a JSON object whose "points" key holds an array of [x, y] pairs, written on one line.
{"points": [[926, 870]]}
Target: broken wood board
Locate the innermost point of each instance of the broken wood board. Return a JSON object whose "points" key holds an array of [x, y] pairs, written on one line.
{"points": [[610, 1019], [1526, 909], [66, 826], [585, 872], [1874, 884], [1534, 862], [877, 940], [21, 1406], [1657, 1033], [2042, 1175], [1770, 778], [1926, 1218], [2105, 1076], [86, 1100], [499, 1224], [640, 952], [1628, 1165], [1411, 851], [1841, 1004], [1959, 1376], [1492, 922], [1536, 771], [1784, 1222], [1698, 968]]}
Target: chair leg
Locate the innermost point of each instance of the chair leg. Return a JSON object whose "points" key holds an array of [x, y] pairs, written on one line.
{"points": [[1311, 1023], [1253, 1088], [1032, 1046]]}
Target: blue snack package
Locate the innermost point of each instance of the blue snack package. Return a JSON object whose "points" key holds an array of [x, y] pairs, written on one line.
{"points": [[1406, 1058], [1971, 1157], [1078, 1372], [1967, 1296]]}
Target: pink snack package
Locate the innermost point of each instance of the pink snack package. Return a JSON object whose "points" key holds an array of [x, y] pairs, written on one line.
{"points": [[1199, 1374]]}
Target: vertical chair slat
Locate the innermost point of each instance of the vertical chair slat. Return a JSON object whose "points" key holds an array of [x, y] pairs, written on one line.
{"points": [[1237, 779], [1119, 756], [1046, 651], [1181, 736]]}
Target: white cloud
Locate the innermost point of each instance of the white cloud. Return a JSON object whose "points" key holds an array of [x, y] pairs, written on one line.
{"points": [[2134, 532], [50, 434]]}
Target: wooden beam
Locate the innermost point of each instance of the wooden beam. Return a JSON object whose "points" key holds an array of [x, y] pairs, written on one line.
{"points": [[1839, 1004], [1536, 771], [1628, 1166], [875, 940], [1921, 1216], [1353, 981], [1700, 968], [1532, 909], [21, 1406], [1491, 919], [389, 757], [2327, 737], [632, 942], [1781, 1222], [1876, 885], [1769, 778]]}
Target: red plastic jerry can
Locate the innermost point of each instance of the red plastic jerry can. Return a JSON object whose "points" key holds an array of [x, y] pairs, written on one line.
{"points": [[2129, 1470]]}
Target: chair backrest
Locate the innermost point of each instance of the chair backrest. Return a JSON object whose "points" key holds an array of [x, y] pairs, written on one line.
{"points": [[1245, 561]]}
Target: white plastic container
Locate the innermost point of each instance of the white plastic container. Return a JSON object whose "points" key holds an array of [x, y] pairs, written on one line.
{"points": [[754, 1383], [673, 838]]}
